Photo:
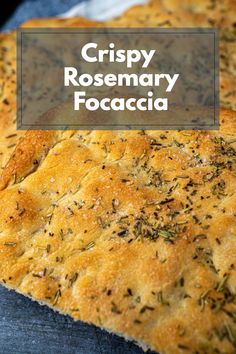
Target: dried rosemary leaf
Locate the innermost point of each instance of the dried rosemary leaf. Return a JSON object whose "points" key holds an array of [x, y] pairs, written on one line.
{"points": [[88, 246], [9, 243]]}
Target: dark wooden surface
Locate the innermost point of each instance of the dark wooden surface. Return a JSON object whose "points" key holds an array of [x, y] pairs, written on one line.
{"points": [[28, 328]]}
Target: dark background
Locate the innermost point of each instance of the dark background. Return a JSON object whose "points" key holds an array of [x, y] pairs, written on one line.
{"points": [[25, 326], [14, 12], [7, 10]]}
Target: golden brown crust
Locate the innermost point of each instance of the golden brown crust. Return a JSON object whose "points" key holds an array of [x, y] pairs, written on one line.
{"points": [[131, 231], [61, 22], [8, 134], [28, 154]]}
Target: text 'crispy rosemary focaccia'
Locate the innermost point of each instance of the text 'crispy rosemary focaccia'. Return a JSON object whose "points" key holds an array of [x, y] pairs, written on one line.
{"points": [[131, 231]]}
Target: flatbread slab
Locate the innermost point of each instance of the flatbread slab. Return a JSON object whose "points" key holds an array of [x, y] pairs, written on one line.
{"points": [[131, 231]]}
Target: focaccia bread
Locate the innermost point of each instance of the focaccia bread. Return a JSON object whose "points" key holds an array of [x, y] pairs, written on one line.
{"points": [[133, 231], [9, 136]]}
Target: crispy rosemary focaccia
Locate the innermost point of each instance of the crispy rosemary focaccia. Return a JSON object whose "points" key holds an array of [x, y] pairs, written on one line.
{"points": [[131, 231], [9, 136]]}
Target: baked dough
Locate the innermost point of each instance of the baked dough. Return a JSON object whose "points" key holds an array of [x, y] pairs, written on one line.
{"points": [[157, 13], [131, 231], [9, 136]]}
